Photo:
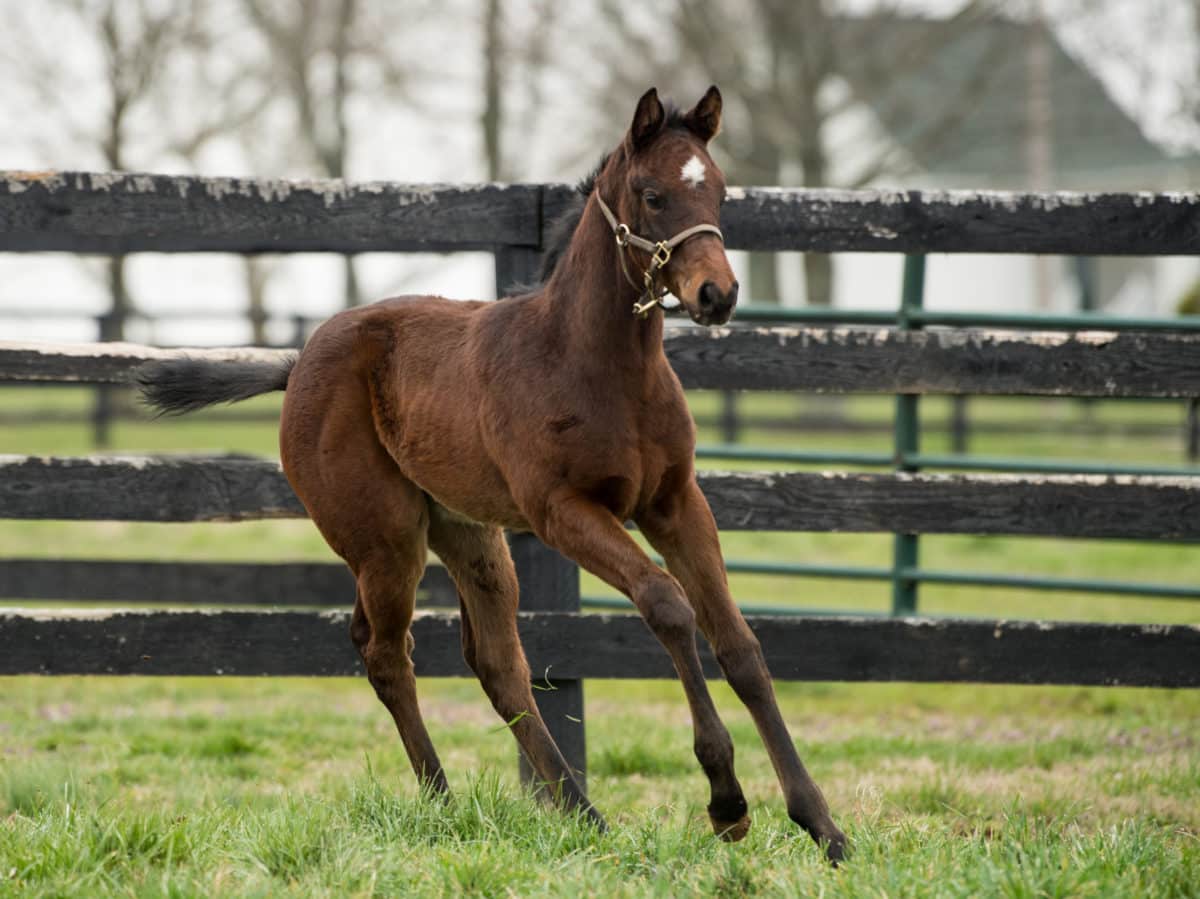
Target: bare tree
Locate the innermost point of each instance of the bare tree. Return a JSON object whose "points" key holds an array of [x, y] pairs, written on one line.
{"points": [[132, 44], [130, 52], [492, 113], [515, 43], [776, 61], [323, 54]]}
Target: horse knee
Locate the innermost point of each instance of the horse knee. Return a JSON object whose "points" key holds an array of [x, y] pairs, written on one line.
{"points": [[666, 611], [387, 664], [745, 669], [506, 684]]}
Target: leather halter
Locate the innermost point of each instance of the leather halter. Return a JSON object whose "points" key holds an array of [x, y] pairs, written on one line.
{"points": [[660, 255]]}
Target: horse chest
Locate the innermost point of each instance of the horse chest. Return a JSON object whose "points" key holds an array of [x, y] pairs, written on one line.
{"points": [[618, 465]]}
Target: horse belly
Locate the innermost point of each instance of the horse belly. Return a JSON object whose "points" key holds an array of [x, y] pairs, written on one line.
{"points": [[444, 456]]}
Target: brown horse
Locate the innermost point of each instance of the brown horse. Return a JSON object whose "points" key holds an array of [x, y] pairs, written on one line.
{"points": [[420, 422]]}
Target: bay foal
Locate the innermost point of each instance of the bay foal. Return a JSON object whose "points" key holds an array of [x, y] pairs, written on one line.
{"points": [[420, 422]]}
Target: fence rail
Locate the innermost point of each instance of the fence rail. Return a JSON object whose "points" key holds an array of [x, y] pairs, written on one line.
{"points": [[818, 360], [85, 212], [573, 647], [198, 488]]}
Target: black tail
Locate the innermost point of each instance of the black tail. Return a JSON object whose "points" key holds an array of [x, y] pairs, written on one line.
{"points": [[176, 386]]}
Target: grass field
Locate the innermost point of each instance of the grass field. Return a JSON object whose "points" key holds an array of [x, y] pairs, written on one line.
{"points": [[225, 787], [299, 787]]}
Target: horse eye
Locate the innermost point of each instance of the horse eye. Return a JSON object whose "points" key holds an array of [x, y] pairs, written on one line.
{"points": [[653, 200]]}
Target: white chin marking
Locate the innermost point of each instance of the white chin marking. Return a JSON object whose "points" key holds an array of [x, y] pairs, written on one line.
{"points": [[693, 171]]}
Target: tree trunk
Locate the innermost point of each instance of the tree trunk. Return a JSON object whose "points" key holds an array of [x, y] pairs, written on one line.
{"points": [[112, 327], [763, 167], [256, 284], [818, 267], [352, 295], [492, 115]]}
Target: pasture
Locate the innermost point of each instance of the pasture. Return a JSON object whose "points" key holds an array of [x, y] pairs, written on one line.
{"points": [[300, 787], [177, 786]]}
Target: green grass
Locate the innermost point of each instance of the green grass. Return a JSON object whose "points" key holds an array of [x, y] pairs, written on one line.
{"points": [[215, 787]]}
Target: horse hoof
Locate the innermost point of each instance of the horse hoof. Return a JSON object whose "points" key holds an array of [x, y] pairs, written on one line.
{"points": [[594, 818], [731, 831], [835, 847]]}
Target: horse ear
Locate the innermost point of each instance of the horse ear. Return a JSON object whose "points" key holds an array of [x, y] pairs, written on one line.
{"points": [[704, 119], [648, 120]]}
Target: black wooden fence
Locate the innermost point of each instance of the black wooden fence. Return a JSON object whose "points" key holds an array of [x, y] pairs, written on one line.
{"points": [[120, 214]]}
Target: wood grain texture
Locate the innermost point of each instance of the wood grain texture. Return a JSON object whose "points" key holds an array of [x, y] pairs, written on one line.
{"points": [[109, 213], [122, 213], [200, 583], [1093, 506], [596, 646], [106, 363], [145, 488], [821, 360], [225, 488], [969, 361], [960, 221]]}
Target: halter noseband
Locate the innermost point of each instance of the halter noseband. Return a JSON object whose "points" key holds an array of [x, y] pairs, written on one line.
{"points": [[660, 255]]}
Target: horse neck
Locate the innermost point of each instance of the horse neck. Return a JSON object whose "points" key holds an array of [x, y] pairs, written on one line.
{"points": [[591, 302]]}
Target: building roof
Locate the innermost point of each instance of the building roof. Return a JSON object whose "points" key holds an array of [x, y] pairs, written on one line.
{"points": [[954, 96]]}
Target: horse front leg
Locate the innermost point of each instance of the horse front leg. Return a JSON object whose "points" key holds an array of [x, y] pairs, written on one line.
{"points": [[683, 530], [590, 535]]}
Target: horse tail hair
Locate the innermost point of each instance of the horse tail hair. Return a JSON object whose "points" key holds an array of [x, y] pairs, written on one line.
{"points": [[178, 386]]}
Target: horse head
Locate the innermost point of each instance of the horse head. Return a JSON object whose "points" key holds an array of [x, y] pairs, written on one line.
{"points": [[661, 192]]}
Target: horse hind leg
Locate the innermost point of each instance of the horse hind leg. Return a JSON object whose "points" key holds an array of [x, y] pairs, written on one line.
{"points": [[482, 568], [375, 519], [380, 629]]}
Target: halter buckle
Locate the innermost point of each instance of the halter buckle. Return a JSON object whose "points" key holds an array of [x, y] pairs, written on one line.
{"points": [[661, 255], [621, 232]]}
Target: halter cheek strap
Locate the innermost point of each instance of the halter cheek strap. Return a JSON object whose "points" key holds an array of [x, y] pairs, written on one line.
{"points": [[660, 255]]}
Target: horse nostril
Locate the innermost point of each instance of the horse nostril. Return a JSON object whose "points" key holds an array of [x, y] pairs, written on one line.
{"points": [[733, 292], [709, 295]]}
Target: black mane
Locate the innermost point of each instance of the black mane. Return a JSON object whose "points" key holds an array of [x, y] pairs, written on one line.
{"points": [[559, 235], [563, 228]]}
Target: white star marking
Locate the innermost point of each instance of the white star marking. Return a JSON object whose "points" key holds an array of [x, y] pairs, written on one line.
{"points": [[693, 171]]}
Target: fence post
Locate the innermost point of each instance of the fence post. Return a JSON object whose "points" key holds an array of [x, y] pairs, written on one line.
{"points": [[908, 427], [103, 399], [549, 582]]}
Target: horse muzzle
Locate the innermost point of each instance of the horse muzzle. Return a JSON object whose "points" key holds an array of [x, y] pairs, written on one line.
{"points": [[713, 305]]}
